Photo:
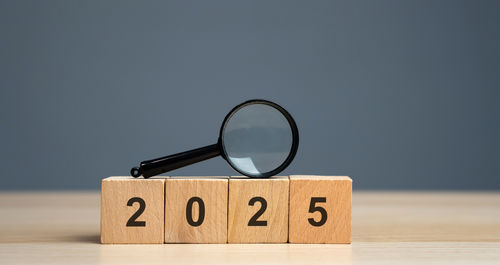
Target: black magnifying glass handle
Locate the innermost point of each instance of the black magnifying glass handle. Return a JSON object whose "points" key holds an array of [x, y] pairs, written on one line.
{"points": [[164, 164]]}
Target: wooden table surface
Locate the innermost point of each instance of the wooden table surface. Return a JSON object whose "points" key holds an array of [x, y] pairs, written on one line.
{"points": [[388, 228]]}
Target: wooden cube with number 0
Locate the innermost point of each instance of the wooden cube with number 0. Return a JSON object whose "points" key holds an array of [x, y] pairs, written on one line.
{"points": [[132, 210], [258, 210], [320, 209], [196, 209]]}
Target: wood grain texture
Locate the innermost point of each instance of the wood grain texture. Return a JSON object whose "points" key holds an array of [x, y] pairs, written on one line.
{"points": [[337, 195], [115, 213], [213, 191], [275, 192], [389, 228]]}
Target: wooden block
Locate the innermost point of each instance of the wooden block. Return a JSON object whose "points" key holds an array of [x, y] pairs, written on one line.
{"points": [[132, 210], [196, 209], [320, 209], [258, 210]]}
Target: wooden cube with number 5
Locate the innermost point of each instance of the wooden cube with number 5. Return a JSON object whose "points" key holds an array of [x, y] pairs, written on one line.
{"points": [[132, 210], [320, 209]]}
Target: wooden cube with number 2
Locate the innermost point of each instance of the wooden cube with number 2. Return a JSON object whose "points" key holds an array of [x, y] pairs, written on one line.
{"points": [[258, 210], [132, 210]]}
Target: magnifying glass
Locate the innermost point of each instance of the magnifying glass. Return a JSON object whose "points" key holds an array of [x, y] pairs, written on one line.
{"points": [[258, 138]]}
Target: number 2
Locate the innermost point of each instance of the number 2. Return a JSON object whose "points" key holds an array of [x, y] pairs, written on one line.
{"points": [[253, 221], [142, 205], [313, 208]]}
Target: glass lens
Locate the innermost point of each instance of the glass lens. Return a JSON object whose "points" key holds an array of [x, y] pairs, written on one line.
{"points": [[257, 139]]}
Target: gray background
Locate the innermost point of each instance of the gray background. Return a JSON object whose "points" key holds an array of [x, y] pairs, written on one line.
{"points": [[396, 94]]}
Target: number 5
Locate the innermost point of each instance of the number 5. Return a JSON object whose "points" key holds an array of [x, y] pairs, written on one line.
{"points": [[313, 208]]}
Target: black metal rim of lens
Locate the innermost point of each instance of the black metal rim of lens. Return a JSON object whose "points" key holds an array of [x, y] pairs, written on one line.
{"points": [[295, 138]]}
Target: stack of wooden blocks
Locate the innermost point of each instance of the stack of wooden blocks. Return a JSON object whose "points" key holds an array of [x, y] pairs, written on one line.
{"points": [[295, 209]]}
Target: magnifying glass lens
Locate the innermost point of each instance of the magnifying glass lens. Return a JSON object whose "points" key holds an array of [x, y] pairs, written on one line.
{"points": [[257, 139]]}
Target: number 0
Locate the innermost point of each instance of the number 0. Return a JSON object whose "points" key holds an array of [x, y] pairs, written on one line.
{"points": [[313, 208], [189, 211]]}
